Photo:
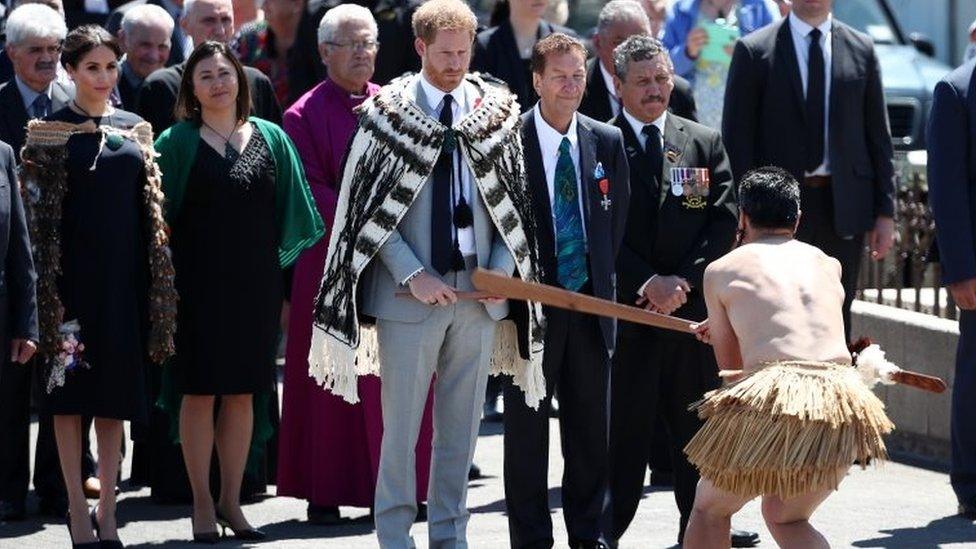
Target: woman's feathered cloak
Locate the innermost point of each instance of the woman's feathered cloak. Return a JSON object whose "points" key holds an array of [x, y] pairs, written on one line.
{"points": [[43, 178], [390, 158]]}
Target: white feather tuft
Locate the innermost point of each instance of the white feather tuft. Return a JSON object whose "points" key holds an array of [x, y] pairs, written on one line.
{"points": [[874, 368]]}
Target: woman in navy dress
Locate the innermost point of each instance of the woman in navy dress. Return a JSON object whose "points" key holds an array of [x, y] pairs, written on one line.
{"points": [[92, 183]]}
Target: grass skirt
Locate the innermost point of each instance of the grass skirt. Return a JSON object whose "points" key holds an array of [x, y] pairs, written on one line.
{"points": [[787, 429]]}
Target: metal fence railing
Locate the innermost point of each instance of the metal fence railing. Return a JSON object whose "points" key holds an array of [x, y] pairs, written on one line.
{"points": [[909, 278]]}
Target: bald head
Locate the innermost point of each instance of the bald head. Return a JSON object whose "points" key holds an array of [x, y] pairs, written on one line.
{"points": [[208, 20]]}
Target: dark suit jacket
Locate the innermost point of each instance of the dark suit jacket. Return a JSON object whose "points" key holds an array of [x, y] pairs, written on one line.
{"points": [[128, 93], [951, 136], [764, 119], [496, 53], [157, 98], [598, 143], [596, 102], [18, 317], [665, 235], [396, 56], [13, 114], [114, 23], [76, 15]]}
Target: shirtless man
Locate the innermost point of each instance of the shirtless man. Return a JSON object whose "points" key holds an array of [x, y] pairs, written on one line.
{"points": [[773, 299]]}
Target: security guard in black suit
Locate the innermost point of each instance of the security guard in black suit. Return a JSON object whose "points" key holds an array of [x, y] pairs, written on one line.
{"points": [[682, 216]]}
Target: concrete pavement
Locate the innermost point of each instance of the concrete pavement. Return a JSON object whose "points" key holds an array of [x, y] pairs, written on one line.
{"points": [[895, 505]]}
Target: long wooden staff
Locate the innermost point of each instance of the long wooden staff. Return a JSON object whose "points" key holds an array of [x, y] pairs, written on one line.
{"points": [[499, 285], [512, 288]]}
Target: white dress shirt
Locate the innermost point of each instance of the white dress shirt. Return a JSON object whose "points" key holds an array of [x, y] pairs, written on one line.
{"points": [[611, 90], [549, 140], [461, 106], [638, 128], [800, 30]]}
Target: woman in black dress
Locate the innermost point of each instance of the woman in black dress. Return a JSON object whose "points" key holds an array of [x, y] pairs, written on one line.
{"points": [[94, 207], [240, 210]]}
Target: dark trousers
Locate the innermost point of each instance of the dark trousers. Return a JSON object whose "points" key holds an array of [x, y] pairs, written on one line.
{"points": [[576, 365], [15, 402], [654, 373], [817, 229], [962, 474]]}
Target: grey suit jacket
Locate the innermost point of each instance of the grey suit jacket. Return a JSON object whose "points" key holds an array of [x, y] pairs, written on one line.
{"points": [[408, 248]]}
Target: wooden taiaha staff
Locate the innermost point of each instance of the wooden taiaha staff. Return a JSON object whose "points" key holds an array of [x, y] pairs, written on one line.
{"points": [[493, 284]]}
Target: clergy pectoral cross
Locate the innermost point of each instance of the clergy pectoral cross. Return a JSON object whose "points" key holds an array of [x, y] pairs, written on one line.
{"points": [[605, 202]]}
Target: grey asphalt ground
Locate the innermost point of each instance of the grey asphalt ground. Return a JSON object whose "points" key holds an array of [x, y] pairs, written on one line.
{"points": [[895, 505]]}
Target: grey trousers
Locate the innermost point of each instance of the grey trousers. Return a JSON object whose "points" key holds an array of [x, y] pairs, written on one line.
{"points": [[455, 342]]}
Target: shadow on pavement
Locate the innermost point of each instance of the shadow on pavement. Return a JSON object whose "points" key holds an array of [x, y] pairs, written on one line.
{"points": [[951, 529], [15, 529]]}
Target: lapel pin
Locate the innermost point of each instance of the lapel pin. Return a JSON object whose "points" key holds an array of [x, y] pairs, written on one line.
{"points": [[598, 172]]}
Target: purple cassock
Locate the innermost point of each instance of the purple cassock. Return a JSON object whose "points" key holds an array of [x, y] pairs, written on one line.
{"points": [[329, 450]]}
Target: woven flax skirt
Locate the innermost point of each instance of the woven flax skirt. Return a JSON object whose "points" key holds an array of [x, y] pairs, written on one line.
{"points": [[787, 429]]}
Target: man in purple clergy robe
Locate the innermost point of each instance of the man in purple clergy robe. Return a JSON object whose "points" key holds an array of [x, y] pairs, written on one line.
{"points": [[329, 450]]}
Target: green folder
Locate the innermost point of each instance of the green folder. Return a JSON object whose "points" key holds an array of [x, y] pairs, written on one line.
{"points": [[719, 36]]}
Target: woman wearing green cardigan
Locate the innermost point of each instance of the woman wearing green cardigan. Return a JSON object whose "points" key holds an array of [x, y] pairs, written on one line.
{"points": [[240, 210]]}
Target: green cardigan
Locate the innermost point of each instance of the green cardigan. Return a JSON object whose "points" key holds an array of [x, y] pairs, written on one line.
{"points": [[300, 225]]}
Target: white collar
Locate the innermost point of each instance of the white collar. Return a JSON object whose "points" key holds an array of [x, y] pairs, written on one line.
{"points": [[548, 134], [803, 28], [436, 95], [607, 79], [638, 126]]}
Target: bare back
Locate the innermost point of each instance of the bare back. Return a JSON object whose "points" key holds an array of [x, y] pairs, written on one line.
{"points": [[778, 299]]}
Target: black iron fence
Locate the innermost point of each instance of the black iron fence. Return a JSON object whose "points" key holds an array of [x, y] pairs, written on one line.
{"points": [[910, 276]]}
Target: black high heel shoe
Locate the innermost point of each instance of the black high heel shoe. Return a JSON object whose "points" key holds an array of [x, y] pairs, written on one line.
{"points": [[209, 538], [86, 545], [247, 534], [103, 543]]}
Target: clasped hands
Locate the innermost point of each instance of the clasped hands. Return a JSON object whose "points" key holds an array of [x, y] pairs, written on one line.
{"points": [[664, 294], [431, 290]]}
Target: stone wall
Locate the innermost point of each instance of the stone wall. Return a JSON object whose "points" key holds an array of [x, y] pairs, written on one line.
{"points": [[923, 343]]}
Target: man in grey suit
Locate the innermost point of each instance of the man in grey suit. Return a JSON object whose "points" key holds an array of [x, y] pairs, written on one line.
{"points": [[433, 187]]}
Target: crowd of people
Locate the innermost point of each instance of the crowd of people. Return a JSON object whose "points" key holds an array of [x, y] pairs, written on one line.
{"points": [[188, 185]]}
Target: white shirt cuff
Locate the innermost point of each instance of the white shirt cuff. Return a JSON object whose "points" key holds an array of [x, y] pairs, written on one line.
{"points": [[407, 280], [640, 291]]}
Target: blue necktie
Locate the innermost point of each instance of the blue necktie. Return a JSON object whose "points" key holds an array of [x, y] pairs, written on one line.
{"points": [[570, 241], [441, 229], [41, 106]]}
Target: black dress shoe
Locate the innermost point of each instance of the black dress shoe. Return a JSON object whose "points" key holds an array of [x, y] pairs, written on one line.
{"points": [[967, 511], [743, 538], [323, 515], [474, 473], [10, 511]]}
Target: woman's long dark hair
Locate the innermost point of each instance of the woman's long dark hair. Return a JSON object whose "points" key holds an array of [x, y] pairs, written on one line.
{"points": [[187, 104]]}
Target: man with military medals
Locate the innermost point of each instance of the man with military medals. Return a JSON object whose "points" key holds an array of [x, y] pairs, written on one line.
{"points": [[682, 216]]}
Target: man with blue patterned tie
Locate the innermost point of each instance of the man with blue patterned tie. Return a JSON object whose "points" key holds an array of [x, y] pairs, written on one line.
{"points": [[579, 179]]}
